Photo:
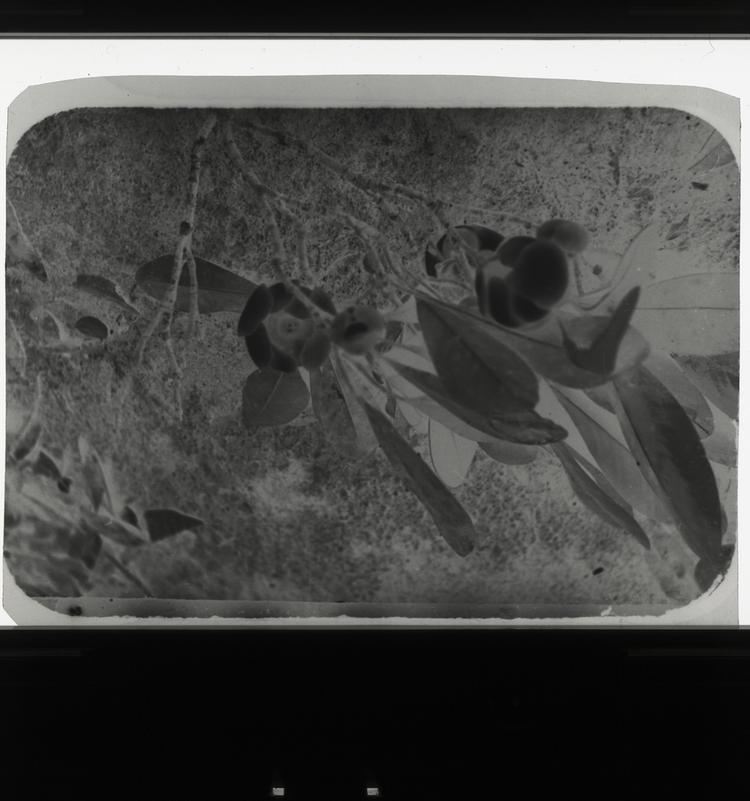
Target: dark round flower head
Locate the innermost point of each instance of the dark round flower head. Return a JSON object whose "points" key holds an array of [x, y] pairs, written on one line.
{"points": [[279, 330]]}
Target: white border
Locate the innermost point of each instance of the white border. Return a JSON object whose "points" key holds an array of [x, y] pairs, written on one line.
{"points": [[719, 65]]}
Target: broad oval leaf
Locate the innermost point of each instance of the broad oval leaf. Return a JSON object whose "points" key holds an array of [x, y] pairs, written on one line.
{"points": [[272, 398], [594, 497], [449, 516], [602, 434], [163, 523], [219, 289], [475, 368], [102, 287], [672, 458], [694, 314], [92, 327], [451, 454]]}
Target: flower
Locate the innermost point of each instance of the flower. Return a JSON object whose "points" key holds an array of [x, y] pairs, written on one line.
{"points": [[279, 329]]}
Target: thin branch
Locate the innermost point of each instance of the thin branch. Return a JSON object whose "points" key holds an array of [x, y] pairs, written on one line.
{"points": [[262, 194], [167, 303], [128, 573]]}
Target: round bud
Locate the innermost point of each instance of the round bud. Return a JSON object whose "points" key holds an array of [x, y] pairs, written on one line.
{"points": [[358, 329], [498, 302], [257, 308], [570, 236], [540, 274], [512, 248], [315, 351]]}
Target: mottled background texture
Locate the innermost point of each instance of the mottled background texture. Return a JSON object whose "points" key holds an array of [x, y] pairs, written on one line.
{"points": [[287, 518]]}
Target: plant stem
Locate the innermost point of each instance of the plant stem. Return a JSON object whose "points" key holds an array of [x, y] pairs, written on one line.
{"points": [[166, 305], [127, 573]]}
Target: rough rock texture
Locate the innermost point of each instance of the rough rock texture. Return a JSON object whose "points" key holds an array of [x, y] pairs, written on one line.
{"points": [[287, 517]]}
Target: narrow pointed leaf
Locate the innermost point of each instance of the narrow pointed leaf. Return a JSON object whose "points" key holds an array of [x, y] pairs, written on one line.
{"points": [[602, 434], [687, 394], [718, 377], [272, 398], [694, 314], [101, 287], [525, 427], [721, 444], [717, 156], [163, 523], [330, 407], [510, 452], [416, 418], [451, 454], [633, 269], [672, 458], [449, 516], [596, 499], [474, 367], [602, 339], [119, 531], [219, 289]]}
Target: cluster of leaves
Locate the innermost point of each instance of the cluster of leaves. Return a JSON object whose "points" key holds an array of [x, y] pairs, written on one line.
{"points": [[522, 360], [65, 515]]}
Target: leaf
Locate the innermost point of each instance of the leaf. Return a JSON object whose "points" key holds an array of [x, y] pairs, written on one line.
{"points": [[163, 523], [602, 337], [271, 398], [596, 499], [524, 427], [632, 270], [602, 434], [475, 368], [718, 377], [92, 327], [717, 156], [416, 418], [451, 454], [18, 249], [544, 350], [672, 458], [28, 439], [330, 407], [109, 527], [101, 287], [218, 289], [686, 393], [694, 314], [510, 452], [721, 444], [449, 516]]}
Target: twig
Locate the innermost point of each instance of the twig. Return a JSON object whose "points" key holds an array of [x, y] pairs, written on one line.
{"points": [[128, 573], [21, 348], [363, 182], [167, 303], [193, 272], [262, 194]]}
